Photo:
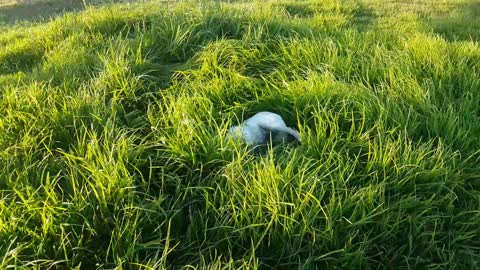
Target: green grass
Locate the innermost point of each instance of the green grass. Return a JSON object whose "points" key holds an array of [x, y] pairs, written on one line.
{"points": [[113, 151], [26, 11]]}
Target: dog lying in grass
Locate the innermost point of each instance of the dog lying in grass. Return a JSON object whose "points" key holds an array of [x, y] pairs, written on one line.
{"points": [[262, 128]]}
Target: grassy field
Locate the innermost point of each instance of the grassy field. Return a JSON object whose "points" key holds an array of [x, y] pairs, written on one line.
{"points": [[113, 151], [21, 11]]}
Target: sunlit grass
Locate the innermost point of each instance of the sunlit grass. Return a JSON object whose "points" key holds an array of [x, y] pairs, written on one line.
{"points": [[113, 151]]}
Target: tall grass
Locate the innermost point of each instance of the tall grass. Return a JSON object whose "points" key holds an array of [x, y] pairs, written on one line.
{"points": [[113, 151]]}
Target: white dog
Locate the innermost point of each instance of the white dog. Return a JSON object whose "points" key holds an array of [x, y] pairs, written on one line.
{"points": [[261, 128]]}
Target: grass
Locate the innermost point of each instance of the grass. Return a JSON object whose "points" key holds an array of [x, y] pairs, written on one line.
{"points": [[113, 151], [25, 11]]}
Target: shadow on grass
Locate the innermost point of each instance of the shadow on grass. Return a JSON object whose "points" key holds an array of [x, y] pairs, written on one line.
{"points": [[461, 25], [363, 17], [37, 10], [299, 10], [41, 10]]}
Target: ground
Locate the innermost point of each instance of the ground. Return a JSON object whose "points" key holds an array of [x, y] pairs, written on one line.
{"points": [[113, 119]]}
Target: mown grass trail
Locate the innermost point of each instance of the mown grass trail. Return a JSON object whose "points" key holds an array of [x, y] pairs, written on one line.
{"points": [[113, 150]]}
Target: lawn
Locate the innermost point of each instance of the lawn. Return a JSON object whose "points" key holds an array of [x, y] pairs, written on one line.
{"points": [[113, 152]]}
